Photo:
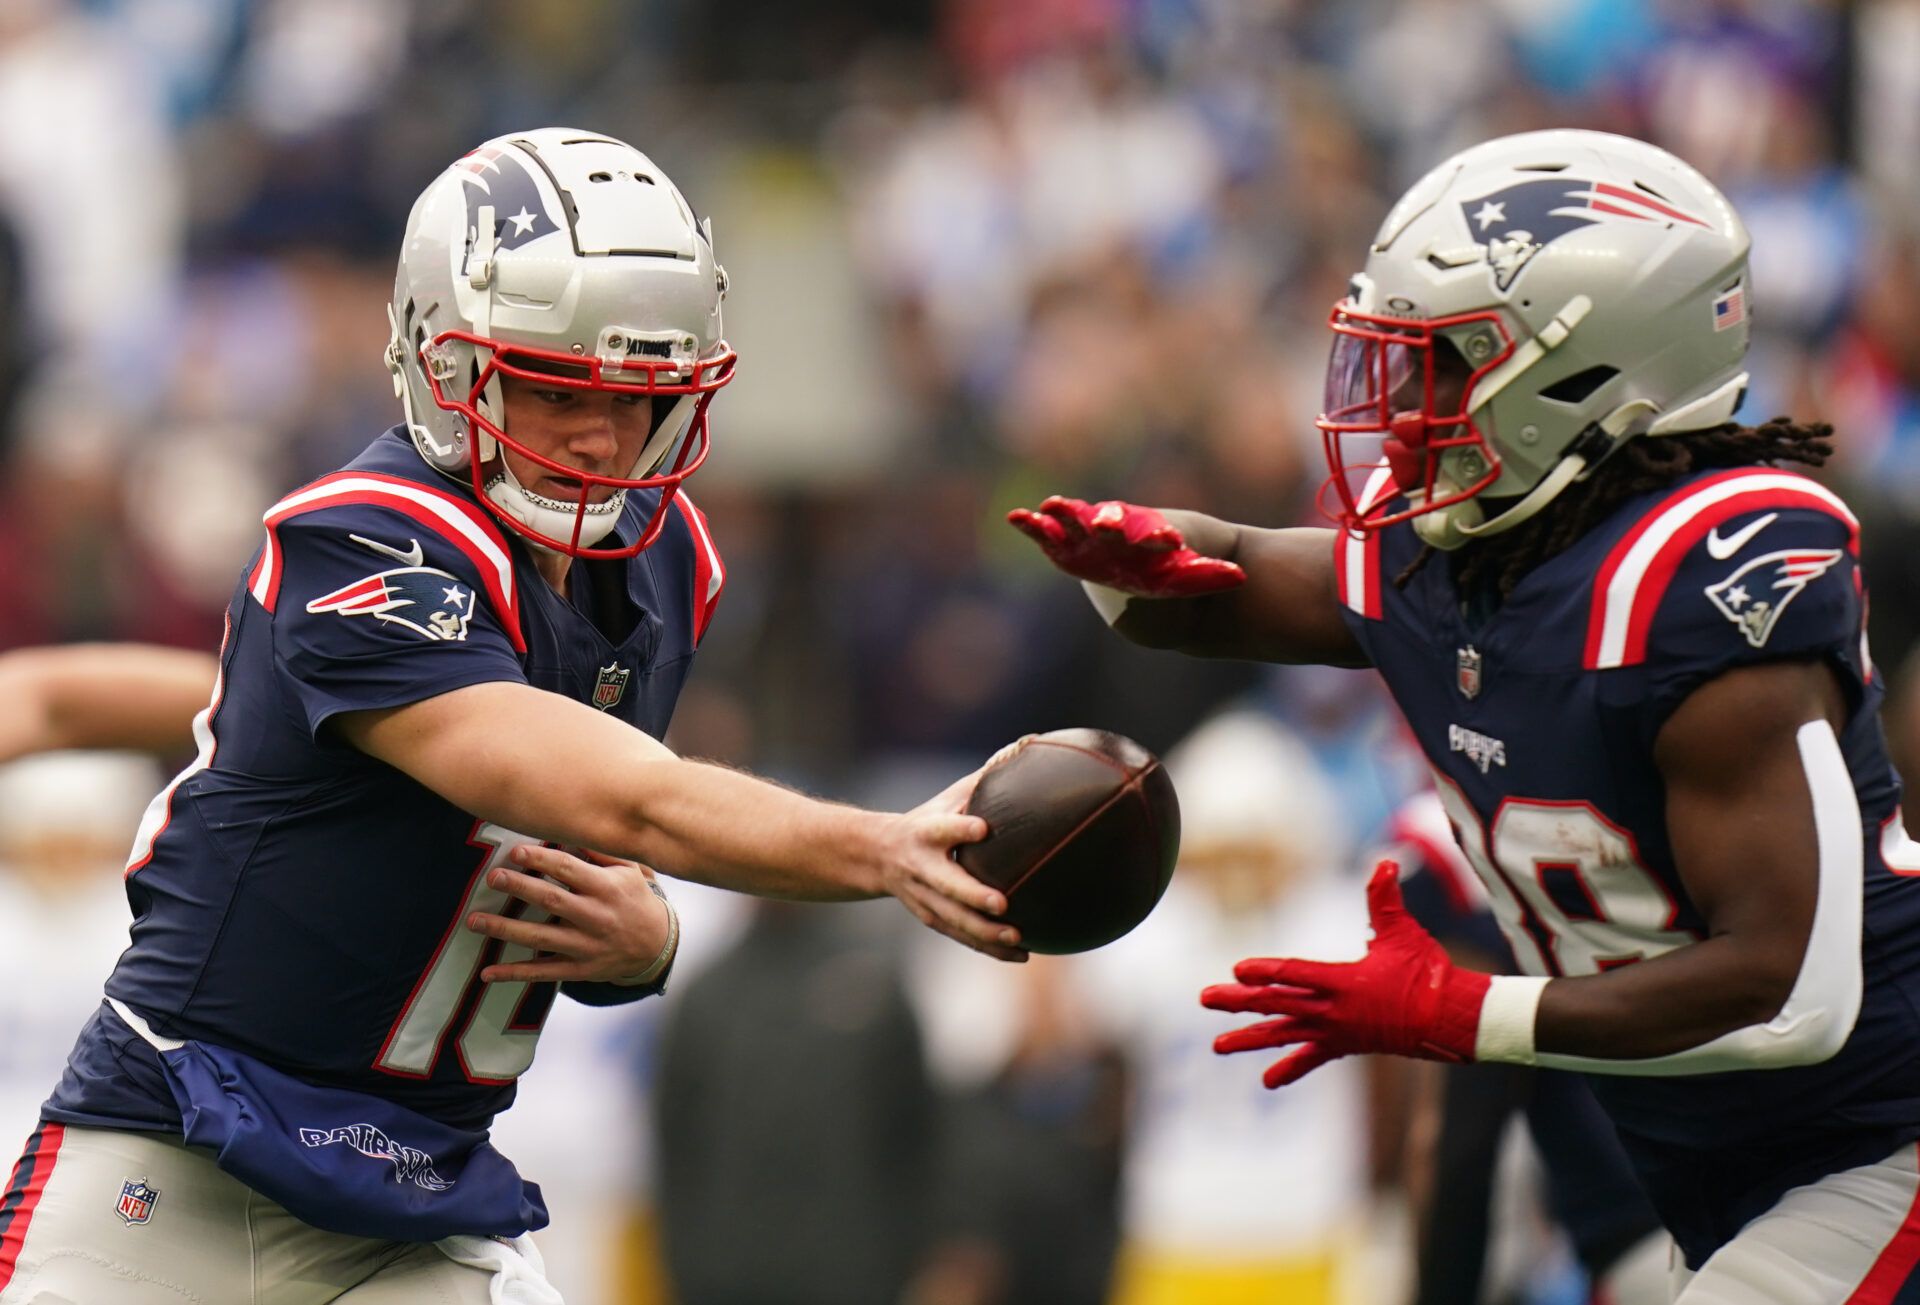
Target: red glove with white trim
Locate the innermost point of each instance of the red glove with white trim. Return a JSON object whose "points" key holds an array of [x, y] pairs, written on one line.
{"points": [[1132, 549], [1405, 998]]}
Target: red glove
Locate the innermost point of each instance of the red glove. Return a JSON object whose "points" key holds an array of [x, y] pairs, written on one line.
{"points": [[1132, 549], [1405, 999]]}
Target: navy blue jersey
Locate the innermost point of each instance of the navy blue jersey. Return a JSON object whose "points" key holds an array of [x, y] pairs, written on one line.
{"points": [[1539, 719], [300, 902]]}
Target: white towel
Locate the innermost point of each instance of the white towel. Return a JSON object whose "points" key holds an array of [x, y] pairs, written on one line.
{"points": [[519, 1275]]}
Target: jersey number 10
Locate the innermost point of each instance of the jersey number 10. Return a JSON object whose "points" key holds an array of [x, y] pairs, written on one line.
{"points": [[497, 1044]]}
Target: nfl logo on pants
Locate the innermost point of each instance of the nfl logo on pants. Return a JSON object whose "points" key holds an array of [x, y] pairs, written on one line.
{"points": [[136, 1201]]}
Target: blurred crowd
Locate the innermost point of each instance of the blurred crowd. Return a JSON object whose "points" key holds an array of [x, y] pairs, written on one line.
{"points": [[980, 251]]}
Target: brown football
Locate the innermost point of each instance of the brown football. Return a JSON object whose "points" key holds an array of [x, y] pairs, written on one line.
{"points": [[1085, 830]]}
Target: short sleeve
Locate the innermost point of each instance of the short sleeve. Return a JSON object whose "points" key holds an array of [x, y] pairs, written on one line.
{"points": [[1762, 586], [372, 611], [709, 573]]}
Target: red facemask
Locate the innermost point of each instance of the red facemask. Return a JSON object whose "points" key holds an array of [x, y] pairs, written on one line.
{"points": [[1383, 426], [550, 367]]}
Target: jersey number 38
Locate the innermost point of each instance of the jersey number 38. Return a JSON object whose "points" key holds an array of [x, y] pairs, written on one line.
{"points": [[1568, 886]]}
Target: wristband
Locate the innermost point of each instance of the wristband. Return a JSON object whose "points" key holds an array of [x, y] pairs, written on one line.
{"points": [[667, 949], [1111, 603], [1506, 1019]]}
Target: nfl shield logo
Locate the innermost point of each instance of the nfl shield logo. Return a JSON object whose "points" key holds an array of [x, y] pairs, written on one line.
{"points": [[136, 1201], [1467, 675], [611, 686]]}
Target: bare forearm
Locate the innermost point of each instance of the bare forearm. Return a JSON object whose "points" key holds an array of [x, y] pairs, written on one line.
{"points": [[1659, 1007], [1287, 611], [101, 696], [705, 822], [1187, 624], [556, 770]]}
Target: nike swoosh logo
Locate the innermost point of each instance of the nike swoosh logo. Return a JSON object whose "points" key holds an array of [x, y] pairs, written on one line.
{"points": [[1722, 549], [414, 557]]}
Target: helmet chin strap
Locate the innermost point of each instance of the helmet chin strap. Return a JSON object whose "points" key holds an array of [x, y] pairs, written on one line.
{"points": [[557, 522], [1453, 527], [1456, 526], [552, 517]]}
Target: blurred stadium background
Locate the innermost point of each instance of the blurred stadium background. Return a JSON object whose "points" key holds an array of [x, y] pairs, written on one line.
{"points": [[980, 250]]}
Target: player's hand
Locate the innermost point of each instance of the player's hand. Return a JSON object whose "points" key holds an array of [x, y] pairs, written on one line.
{"points": [[1133, 549], [1405, 998], [608, 920], [917, 866]]}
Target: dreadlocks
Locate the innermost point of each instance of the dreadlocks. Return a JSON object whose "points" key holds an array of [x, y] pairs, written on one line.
{"points": [[1641, 466]]}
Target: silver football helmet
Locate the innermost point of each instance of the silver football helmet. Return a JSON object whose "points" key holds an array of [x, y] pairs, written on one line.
{"points": [[1527, 307], [565, 257]]}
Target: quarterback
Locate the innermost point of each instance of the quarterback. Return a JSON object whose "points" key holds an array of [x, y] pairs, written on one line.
{"points": [[1630, 641], [449, 661]]}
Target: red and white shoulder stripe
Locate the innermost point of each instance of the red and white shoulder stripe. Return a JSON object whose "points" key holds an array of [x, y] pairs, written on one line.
{"points": [[1356, 557], [459, 522], [709, 573], [1632, 581]]}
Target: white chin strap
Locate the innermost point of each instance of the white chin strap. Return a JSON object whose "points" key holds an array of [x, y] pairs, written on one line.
{"points": [[1451, 527], [551, 517], [555, 518]]}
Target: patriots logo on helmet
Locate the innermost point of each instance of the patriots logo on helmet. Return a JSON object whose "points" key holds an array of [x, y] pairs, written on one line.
{"points": [[1518, 222], [428, 601], [1754, 596], [494, 176]]}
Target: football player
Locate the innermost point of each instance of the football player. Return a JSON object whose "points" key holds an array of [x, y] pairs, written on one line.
{"points": [[448, 661], [1630, 643]]}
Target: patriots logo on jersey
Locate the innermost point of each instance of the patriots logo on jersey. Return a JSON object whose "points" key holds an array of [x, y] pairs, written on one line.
{"points": [[496, 177], [426, 600], [1754, 596], [1518, 222]]}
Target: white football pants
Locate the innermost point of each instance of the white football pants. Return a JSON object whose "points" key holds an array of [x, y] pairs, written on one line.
{"points": [[1853, 1238], [70, 1234]]}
